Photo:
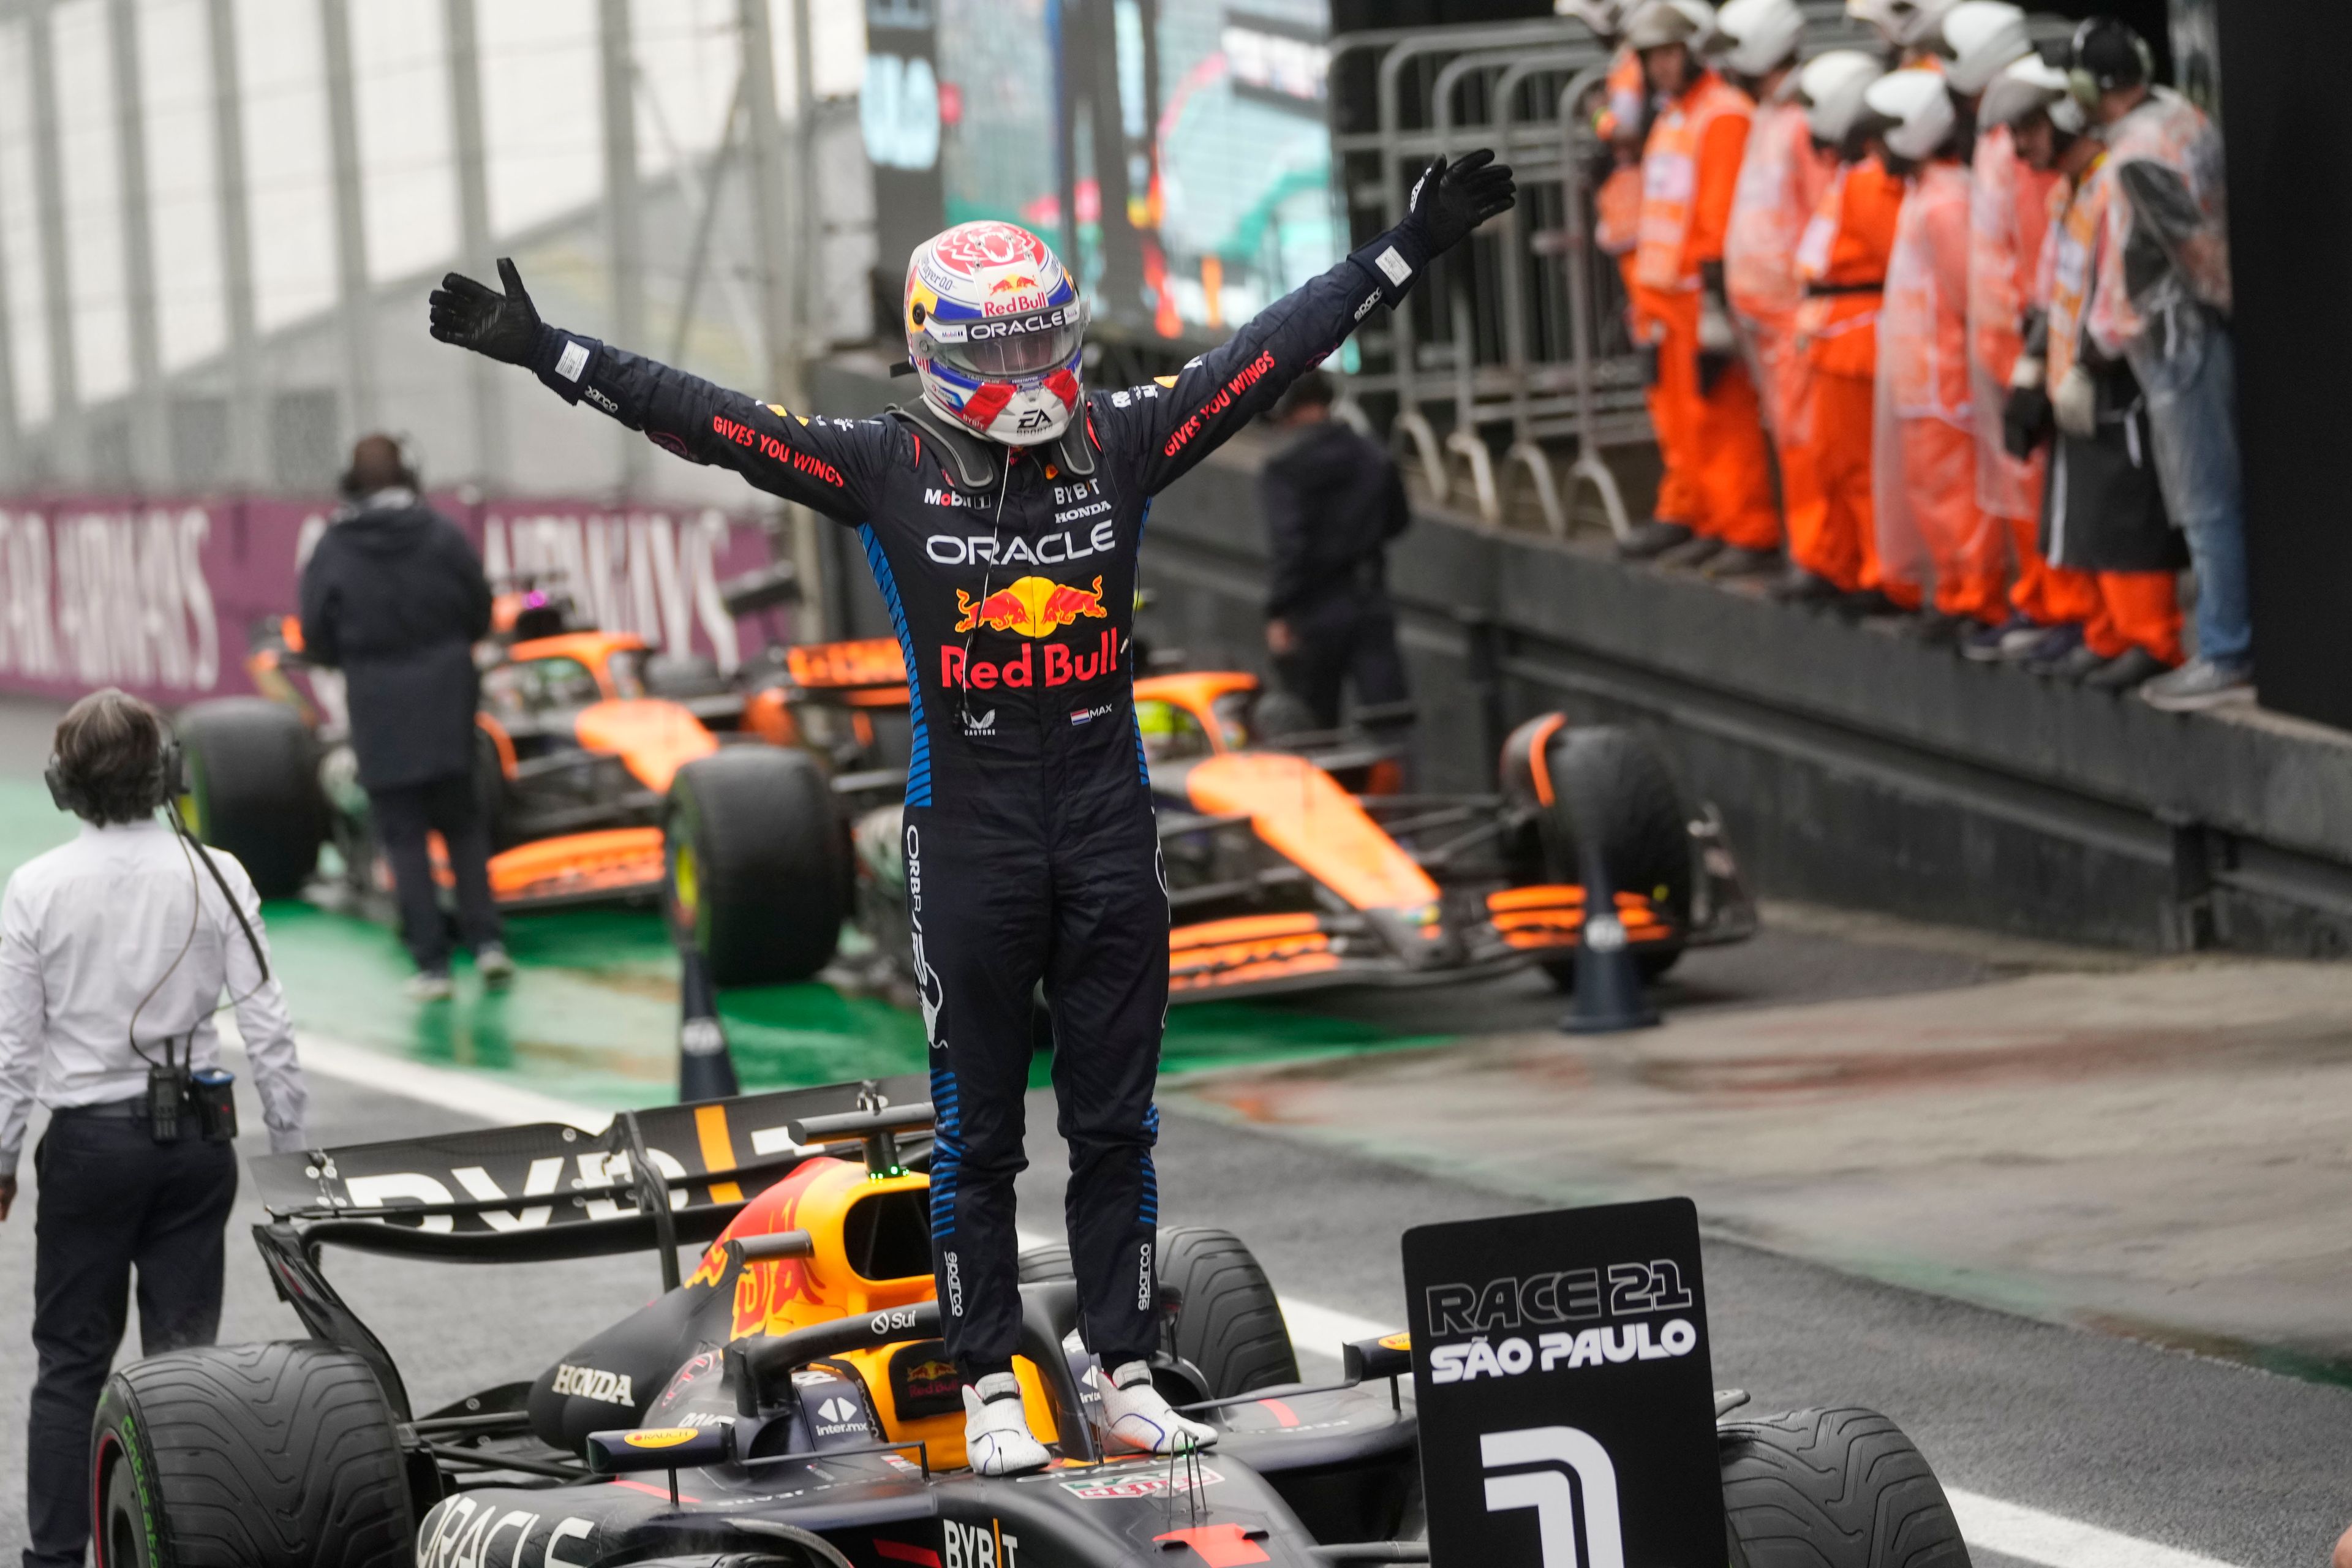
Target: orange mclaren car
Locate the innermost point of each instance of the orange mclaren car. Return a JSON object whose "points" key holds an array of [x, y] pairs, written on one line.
{"points": [[610, 771], [1297, 860]]}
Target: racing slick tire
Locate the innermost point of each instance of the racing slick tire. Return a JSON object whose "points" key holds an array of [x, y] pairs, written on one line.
{"points": [[1230, 1326], [253, 788], [1610, 780], [757, 864], [1832, 1488], [268, 1455]]}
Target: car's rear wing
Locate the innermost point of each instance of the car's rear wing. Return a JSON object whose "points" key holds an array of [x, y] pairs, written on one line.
{"points": [[653, 1179], [865, 672], [544, 1191]]}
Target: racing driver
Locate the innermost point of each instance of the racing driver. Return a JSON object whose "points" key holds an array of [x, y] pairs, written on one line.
{"points": [[1001, 514]]}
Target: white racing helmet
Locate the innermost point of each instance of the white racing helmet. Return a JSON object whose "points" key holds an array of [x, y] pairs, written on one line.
{"points": [[994, 327], [2029, 84], [1832, 86], [1753, 36], [1920, 105], [1985, 37], [1907, 24]]}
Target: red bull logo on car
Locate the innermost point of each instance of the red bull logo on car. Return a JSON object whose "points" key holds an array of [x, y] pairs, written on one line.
{"points": [[1033, 607]]}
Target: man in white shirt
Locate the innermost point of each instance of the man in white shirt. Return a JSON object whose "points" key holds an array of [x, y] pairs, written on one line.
{"points": [[114, 950]]}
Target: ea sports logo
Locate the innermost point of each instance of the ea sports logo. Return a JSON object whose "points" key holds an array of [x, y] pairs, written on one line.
{"points": [[1558, 1471]]}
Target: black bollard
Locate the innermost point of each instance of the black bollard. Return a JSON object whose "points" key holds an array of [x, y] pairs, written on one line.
{"points": [[1608, 995], [705, 1070]]}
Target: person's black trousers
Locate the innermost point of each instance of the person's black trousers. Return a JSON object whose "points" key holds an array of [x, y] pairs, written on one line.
{"points": [[1345, 638], [404, 816], [112, 1200], [1070, 892]]}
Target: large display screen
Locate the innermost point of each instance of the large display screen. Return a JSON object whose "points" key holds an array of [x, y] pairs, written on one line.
{"points": [[1176, 151]]}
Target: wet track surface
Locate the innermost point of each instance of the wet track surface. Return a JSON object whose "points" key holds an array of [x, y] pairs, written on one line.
{"points": [[2242, 1466]]}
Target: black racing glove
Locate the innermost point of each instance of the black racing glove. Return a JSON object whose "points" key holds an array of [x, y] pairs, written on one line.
{"points": [[1449, 200], [474, 316]]}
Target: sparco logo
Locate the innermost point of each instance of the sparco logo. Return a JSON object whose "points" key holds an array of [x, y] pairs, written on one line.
{"points": [[1143, 1279], [1537, 1462], [593, 1383], [955, 1288]]}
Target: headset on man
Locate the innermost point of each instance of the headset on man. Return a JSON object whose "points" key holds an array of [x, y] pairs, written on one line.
{"points": [[171, 1083]]}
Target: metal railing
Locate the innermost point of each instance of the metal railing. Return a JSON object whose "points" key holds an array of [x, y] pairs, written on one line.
{"points": [[1515, 356]]}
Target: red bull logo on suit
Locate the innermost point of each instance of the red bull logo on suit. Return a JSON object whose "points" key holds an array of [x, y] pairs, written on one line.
{"points": [[1033, 607], [1030, 607]]}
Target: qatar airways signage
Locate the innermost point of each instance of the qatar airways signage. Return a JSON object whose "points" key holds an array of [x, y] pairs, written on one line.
{"points": [[158, 596]]}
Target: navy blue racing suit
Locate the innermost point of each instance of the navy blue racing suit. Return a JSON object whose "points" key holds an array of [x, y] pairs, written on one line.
{"points": [[1030, 850]]}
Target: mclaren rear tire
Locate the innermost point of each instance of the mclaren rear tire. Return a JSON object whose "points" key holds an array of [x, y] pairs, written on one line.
{"points": [[1229, 1327], [253, 788], [757, 864], [1611, 782], [270, 1456], [1833, 1488]]}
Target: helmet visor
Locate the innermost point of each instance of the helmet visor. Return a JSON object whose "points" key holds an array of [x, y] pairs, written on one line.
{"points": [[1010, 347]]}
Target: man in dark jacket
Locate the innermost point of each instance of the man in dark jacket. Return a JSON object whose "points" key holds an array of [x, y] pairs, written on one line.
{"points": [[395, 597], [1332, 502]]}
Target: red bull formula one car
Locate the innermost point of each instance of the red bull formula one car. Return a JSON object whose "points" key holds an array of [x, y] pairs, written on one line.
{"points": [[789, 1404]]}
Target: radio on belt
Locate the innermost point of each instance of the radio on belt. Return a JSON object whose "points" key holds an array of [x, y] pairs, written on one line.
{"points": [[1565, 1391]]}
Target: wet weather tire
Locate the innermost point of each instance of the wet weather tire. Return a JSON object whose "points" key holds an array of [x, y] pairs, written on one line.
{"points": [[1230, 1325], [272, 1455], [757, 864], [1833, 1488], [1051, 1261], [253, 788]]}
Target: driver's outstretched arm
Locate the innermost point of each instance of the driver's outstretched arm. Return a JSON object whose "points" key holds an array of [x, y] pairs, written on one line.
{"points": [[829, 465], [1167, 427]]}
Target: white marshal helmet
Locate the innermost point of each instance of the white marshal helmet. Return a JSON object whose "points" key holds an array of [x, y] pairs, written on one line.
{"points": [[994, 327], [1907, 24], [1919, 103], [1985, 37], [1605, 17], [2027, 85], [1754, 36], [1832, 86]]}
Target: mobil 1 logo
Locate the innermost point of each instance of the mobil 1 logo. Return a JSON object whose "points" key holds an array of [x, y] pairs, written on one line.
{"points": [[1566, 1397]]}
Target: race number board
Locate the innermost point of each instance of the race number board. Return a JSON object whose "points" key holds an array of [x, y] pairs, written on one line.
{"points": [[1567, 1402]]}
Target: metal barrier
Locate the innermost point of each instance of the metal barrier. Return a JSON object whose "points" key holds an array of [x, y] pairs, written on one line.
{"points": [[1519, 342]]}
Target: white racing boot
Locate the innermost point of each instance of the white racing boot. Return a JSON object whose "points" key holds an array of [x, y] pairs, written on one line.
{"points": [[996, 1437], [1139, 1415]]}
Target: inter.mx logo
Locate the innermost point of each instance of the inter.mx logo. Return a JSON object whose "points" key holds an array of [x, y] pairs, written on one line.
{"points": [[1558, 1471]]}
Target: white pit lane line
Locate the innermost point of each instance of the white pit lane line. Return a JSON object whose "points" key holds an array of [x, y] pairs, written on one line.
{"points": [[2011, 1529]]}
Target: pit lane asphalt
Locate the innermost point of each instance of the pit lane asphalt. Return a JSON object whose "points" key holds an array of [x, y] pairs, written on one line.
{"points": [[2244, 1467]]}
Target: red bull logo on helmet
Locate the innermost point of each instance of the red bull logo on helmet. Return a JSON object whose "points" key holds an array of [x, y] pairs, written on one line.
{"points": [[1033, 607]]}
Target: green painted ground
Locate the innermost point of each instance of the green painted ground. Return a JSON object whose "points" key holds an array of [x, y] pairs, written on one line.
{"points": [[593, 1015]]}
